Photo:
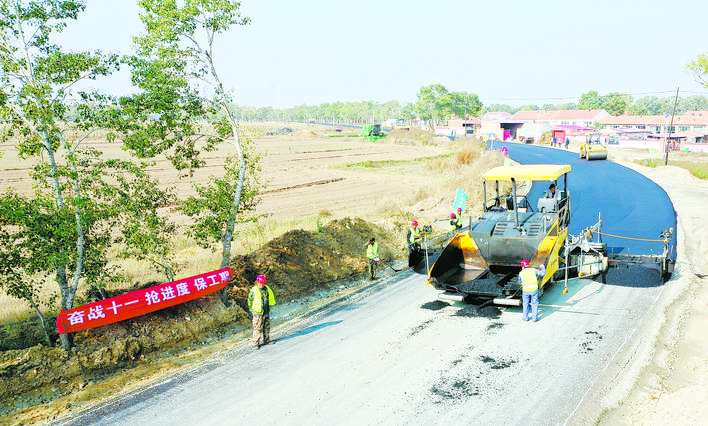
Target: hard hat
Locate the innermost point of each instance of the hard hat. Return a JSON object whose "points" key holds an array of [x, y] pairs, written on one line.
{"points": [[452, 215], [415, 223], [524, 263], [261, 279]]}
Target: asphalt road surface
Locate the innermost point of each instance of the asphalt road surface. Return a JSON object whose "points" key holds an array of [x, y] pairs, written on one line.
{"points": [[630, 204], [394, 354]]}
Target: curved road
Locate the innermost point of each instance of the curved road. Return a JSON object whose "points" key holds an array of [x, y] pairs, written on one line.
{"points": [[631, 204], [395, 355]]}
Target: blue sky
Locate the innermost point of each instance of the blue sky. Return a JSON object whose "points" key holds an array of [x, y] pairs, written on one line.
{"points": [[515, 52]]}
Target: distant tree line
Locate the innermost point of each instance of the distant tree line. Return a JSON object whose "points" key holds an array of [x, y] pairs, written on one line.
{"points": [[436, 103]]}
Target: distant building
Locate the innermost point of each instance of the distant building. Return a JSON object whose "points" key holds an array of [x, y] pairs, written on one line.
{"points": [[497, 116], [691, 126], [507, 126], [580, 118]]}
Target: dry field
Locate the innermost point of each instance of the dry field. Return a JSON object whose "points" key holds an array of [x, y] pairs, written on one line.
{"points": [[311, 176]]}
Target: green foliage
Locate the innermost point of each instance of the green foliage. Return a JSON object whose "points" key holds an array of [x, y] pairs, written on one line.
{"points": [[651, 105], [614, 103], [25, 333], [436, 103], [148, 234], [65, 228], [698, 68], [653, 162], [372, 165], [212, 208], [175, 66], [699, 172]]}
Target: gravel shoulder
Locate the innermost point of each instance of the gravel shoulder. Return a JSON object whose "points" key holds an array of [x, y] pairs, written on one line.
{"points": [[666, 379]]}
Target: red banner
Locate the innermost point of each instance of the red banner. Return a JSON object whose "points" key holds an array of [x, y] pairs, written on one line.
{"points": [[141, 302]]}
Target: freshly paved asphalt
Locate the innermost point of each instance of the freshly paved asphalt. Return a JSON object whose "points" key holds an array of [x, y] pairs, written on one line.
{"points": [[394, 354], [630, 204]]}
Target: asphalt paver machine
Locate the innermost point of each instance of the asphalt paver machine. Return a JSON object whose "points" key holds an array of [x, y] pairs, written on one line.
{"points": [[483, 262]]}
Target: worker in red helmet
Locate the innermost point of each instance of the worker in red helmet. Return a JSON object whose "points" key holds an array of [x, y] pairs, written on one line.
{"points": [[528, 277], [456, 220], [260, 299], [414, 237]]}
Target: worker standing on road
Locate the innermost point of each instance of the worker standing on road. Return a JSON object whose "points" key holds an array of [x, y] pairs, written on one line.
{"points": [[372, 256], [414, 237], [529, 288], [567, 142], [260, 299]]}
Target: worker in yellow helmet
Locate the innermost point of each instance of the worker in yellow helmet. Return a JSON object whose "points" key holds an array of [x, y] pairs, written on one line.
{"points": [[260, 299], [529, 288]]}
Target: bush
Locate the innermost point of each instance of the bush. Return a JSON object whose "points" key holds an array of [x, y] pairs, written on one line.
{"points": [[25, 333]]}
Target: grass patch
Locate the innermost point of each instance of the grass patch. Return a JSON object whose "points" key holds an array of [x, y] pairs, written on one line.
{"points": [[25, 332], [339, 135], [650, 162], [380, 164], [699, 172], [698, 169]]}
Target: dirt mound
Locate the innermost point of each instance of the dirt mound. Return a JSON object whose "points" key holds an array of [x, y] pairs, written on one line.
{"points": [[300, 261]]}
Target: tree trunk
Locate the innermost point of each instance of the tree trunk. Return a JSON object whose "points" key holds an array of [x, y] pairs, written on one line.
{"points": [[228, 235], [44, 327], [169, 272], [42, 320], [67, 341]]}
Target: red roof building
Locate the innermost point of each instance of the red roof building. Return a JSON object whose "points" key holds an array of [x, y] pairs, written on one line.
{"points": [[583, 118], [692, 121]]}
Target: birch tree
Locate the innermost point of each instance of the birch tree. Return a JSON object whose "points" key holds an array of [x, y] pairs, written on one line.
{"points": [[175, 66], [65, 228]]}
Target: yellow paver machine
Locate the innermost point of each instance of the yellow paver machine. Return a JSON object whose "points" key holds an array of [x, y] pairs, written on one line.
{"points": [[484, 261]]}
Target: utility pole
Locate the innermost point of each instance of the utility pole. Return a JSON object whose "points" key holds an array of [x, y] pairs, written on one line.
{"points": [[671, 127]]}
